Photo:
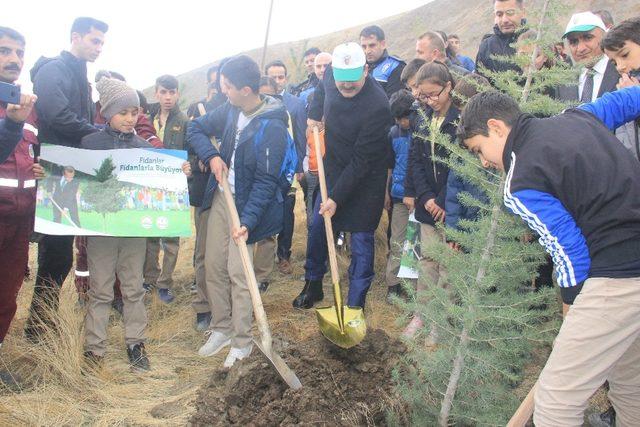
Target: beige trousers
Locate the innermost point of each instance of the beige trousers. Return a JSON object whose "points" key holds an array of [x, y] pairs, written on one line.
{"points": [[399, 221], [431, 272], [108, 256], [264, 258], [153, 275], [200, 302], [599, 340], [227, 288]]}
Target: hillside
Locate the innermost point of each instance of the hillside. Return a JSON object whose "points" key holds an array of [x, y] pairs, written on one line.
{"points": [[470, 19]]}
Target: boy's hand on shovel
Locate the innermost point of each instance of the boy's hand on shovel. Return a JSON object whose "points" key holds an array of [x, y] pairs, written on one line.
{"points": [[240, 234], [329, 207]]}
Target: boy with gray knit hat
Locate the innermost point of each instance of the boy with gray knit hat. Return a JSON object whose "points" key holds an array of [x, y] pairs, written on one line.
{"points": [[111, 256]]}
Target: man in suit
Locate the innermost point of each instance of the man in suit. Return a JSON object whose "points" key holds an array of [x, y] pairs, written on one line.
{"points": [[598, 74], [65, 197]]}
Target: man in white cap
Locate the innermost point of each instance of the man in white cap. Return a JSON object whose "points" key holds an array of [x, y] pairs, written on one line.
{"points": [[584, 34], [357, 117]]}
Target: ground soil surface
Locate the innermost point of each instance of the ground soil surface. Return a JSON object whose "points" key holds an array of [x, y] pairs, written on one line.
{"points": [[339, 387]]}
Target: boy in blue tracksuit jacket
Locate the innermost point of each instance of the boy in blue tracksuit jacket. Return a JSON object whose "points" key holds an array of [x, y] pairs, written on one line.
{"points": [[400, 143], [253, 133], [576, 186]]}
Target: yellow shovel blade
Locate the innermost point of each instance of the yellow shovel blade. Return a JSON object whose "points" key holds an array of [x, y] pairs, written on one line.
{"points": [[354, 329]]}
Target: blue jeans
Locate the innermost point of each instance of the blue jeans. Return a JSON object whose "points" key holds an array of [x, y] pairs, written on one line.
{"points": [[361, 271]]}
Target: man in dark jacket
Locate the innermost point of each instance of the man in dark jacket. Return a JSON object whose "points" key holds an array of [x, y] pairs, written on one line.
{"points": [[65, 198], [357, 116], [65, 115], [430, 47], [509, 16], [253, 132], [309, 58], [384, 68], [590, 226], [298, 113], [171, 126]]}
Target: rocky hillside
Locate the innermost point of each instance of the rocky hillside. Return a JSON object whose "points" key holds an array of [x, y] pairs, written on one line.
{"points": [[470, 19]]}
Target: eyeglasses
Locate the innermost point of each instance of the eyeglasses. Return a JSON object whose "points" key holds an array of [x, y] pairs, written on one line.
{"points": [[509, 13], [434, 97]]}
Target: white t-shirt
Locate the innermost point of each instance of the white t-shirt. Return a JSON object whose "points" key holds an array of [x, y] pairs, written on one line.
{"points": [[243, 121]]}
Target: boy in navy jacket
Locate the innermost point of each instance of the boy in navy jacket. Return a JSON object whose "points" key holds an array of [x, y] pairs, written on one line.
{"points": [[576, 186]]}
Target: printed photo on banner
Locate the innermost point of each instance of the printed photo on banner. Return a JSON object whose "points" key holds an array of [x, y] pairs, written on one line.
{"points": [[410, 250], [123, 193]]}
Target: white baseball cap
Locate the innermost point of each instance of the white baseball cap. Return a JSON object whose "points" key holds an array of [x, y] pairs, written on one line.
{"points": [[583, 22], [348, 62]]}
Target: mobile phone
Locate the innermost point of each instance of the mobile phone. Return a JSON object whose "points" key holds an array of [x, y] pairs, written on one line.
{"points": [[9, 93]]}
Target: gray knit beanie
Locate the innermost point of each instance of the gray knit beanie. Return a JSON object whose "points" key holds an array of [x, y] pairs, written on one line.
{"points": [[115, 96]]}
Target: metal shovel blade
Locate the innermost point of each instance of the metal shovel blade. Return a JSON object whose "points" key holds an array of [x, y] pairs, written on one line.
{"points": [[353, 332], [285, 372]]}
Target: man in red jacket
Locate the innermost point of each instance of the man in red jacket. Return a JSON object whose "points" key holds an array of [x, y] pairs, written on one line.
{"points": [[18, 174]]}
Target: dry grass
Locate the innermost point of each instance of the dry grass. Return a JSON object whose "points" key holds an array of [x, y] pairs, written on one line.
{"points": [[57, 392]]}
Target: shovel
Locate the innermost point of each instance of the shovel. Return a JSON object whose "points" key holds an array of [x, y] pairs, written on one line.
{"points": [[265, 343], [342, 325]]}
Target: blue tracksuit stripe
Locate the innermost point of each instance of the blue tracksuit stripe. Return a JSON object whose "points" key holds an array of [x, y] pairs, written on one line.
{"points": [[616, 108], [558, 231]]}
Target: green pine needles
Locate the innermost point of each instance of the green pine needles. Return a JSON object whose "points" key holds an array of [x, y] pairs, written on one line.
{"points": [[488, 318]]}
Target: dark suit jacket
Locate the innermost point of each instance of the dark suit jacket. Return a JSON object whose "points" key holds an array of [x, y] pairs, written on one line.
{"points": [[569, 93], [66, 197]]}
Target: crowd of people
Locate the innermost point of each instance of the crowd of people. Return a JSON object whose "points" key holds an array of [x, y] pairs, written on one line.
{"points": [[376, 114]]}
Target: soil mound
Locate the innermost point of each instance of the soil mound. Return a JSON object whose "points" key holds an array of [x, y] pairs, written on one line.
{"points": [[339, 387]]}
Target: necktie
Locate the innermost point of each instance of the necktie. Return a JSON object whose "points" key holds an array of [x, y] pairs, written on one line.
{"points": [[587, 89]]}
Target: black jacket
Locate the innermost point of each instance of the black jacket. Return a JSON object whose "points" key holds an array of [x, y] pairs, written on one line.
{"points": [[425, 184], [258, 194], [110, 139], [569, 93], [387, 71], [356, 151], [577, 186], [496, 44], [311, 81], [65, 108]]}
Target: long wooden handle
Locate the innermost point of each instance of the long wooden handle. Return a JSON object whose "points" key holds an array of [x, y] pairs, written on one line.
{"points": [[333, 259], [256, 300], [524, 412]]}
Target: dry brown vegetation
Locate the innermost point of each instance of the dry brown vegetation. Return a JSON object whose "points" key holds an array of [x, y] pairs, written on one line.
{"points": [[56, 391]]}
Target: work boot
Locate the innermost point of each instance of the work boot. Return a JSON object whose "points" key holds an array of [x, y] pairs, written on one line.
{"points": [[284, 267], [311, 293], [138, 358], [393, 291], [202, 321]]}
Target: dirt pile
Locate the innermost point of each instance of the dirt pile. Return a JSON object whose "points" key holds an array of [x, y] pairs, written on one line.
{"points": [[339, 387]]}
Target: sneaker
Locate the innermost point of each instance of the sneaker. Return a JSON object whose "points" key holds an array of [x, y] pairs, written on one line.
{"points": [[193, 288], [284, 266], [10, 380], [216, 342], [203, 320], [138, 358], [118, 306], [263, 286], [237, 354], [147, 287], [605, 419], [413, 327], [166, 296], [92, 360], [393, 292]]}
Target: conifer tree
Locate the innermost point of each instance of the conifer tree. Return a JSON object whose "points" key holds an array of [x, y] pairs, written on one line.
{"points": [[103, 193], [488, 317]]}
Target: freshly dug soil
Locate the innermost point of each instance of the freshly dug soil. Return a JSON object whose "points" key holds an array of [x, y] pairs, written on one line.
{"points": [[339, 387]]}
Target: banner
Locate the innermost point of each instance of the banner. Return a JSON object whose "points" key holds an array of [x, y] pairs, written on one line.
{"points": [[123, 193], [410, 251]]}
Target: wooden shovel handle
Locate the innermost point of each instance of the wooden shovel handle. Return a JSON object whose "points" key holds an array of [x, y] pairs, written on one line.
{"points": [[333, 259], [524, 412], [256, 300]]}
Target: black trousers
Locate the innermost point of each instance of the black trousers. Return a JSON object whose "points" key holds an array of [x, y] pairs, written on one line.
{"points": [[55, 258], [285, 238]]}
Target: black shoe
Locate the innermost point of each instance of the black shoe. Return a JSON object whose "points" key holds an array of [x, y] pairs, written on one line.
{"points": [[311, 293], [263, 286], [605, 419], [92, 360], [393, 292], [118, 305], [138, 358]]}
